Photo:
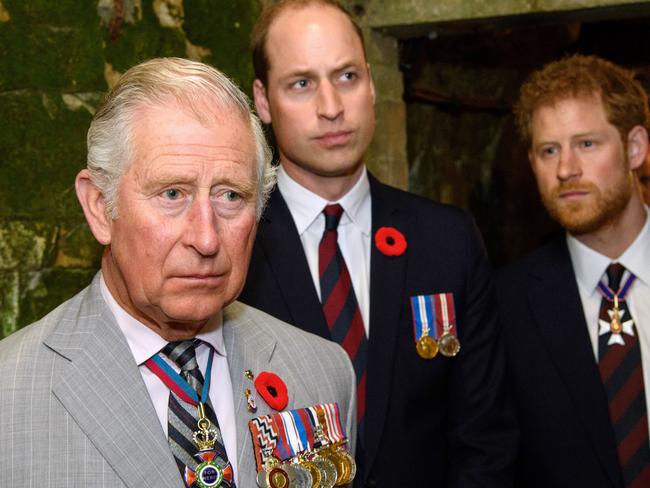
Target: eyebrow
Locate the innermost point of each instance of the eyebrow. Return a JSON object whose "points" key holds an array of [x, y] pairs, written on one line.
{"points": [[306, 72], [245, 187], [573, 136]]}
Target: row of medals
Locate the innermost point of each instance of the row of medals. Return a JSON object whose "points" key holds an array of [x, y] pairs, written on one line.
{"points": [[323, 468], [448, 345]]}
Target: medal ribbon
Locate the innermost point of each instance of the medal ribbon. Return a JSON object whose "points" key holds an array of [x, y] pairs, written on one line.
{"points": [[333, 419], [306, 422], [295, 442], [283, 448], [305, 441], [424, 317], [609, 294], [265, 438], [446, 316], [176, 383]]}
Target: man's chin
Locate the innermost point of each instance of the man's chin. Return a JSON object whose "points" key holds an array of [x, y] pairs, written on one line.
{"points": [[579, 221], [192, 313]]}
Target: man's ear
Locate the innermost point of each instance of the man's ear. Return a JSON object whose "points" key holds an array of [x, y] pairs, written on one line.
{"points": [[94, 207], [261, 101], [372, 84], [637, 146]]}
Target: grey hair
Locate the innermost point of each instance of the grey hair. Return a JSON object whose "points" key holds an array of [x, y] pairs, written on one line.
{"points": [[110, 136]]}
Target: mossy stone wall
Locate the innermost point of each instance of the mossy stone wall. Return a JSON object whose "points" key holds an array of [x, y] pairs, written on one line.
{"points": [[57, 59]]}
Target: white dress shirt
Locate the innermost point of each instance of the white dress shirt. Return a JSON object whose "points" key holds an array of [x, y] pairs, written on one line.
{"points": [[145, 343], [590, 266], [353, 231]]}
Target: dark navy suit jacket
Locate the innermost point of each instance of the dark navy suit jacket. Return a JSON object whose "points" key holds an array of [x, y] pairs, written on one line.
{"points": [[566, 438], [437, 422]]}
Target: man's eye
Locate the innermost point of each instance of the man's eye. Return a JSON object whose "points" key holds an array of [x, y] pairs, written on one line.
{"points": [[172, 194], [232, 196], [301, 84], [549, 151], [349, 76], [588, 143]]}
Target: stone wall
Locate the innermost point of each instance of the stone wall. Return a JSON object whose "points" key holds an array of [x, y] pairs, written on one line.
{"points": [[57, 58]]}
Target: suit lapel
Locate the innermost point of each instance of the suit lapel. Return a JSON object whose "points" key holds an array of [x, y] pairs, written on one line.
{"points": [[279, 239], [248, 348], [556, 304], [99, 384], [387, 275]]}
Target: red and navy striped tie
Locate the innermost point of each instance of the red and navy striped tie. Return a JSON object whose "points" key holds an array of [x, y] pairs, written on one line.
{"points": [[339, 302], [622, 375]]}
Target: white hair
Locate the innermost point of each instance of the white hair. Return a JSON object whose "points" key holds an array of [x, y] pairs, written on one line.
{"points": [[154, 82]]}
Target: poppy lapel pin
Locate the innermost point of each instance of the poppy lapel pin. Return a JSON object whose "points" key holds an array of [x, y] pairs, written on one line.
{"points": [[390, 241]]}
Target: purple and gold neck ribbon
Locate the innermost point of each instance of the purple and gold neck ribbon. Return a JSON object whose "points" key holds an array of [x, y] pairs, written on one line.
{"points": [[609, 294]]}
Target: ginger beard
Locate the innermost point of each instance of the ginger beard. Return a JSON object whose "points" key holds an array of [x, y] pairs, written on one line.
{"points": [[603, 208]]}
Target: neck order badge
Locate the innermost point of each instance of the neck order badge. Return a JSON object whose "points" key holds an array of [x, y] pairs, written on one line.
{"points": [[619, 323], [209, 472]]}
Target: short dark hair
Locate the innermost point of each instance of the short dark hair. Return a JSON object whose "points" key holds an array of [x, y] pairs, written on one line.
{"points": [[268, 16], [577, 76]]}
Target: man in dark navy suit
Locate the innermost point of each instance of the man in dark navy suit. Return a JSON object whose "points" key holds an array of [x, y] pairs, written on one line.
{"points": [[400, 282], [576, 312]]}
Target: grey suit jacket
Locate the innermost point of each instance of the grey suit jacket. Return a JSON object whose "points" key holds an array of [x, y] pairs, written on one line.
{"points": [[75, 412]]}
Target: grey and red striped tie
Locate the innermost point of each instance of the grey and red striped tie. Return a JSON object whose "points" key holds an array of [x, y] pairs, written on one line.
{"points": [[183, 417], [622, 375], [340, 305]]}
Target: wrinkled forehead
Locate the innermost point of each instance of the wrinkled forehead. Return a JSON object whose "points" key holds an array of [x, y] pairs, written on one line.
{"points": [[174, 124]]}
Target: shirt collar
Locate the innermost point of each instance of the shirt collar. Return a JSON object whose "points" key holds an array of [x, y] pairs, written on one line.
{"points": [[306, 206], [636, 258], [144, 342], [589, 265]]}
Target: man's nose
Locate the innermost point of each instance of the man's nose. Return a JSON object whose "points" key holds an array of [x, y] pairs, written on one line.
{"points": [[330, 105], [202, 230], [568, 165]]}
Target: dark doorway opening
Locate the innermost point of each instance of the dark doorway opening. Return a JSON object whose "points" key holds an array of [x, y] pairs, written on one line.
{"points": [[461, 80]]}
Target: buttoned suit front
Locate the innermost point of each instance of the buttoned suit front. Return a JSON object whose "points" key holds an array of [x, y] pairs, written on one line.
{"points": [[75, 412], [428, 421], [567, 439]]}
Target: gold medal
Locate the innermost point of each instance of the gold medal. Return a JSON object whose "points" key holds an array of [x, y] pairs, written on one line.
{"points": [[346, 468], [314, 471], [449, 345], [278, 478], [274, 475], [327, 471], [615, 325], [427, 347]]}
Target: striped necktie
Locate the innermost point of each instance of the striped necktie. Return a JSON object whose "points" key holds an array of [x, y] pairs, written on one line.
{"points": [[183, 417], [339, 303], [622, 375]]}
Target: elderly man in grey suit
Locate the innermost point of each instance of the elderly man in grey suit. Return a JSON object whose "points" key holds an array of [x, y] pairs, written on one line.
{"points": [[153, 376]]}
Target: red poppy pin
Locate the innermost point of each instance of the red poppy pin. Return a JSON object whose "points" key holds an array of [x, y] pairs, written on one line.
{"points": [[272, 389], [390, 241]]}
